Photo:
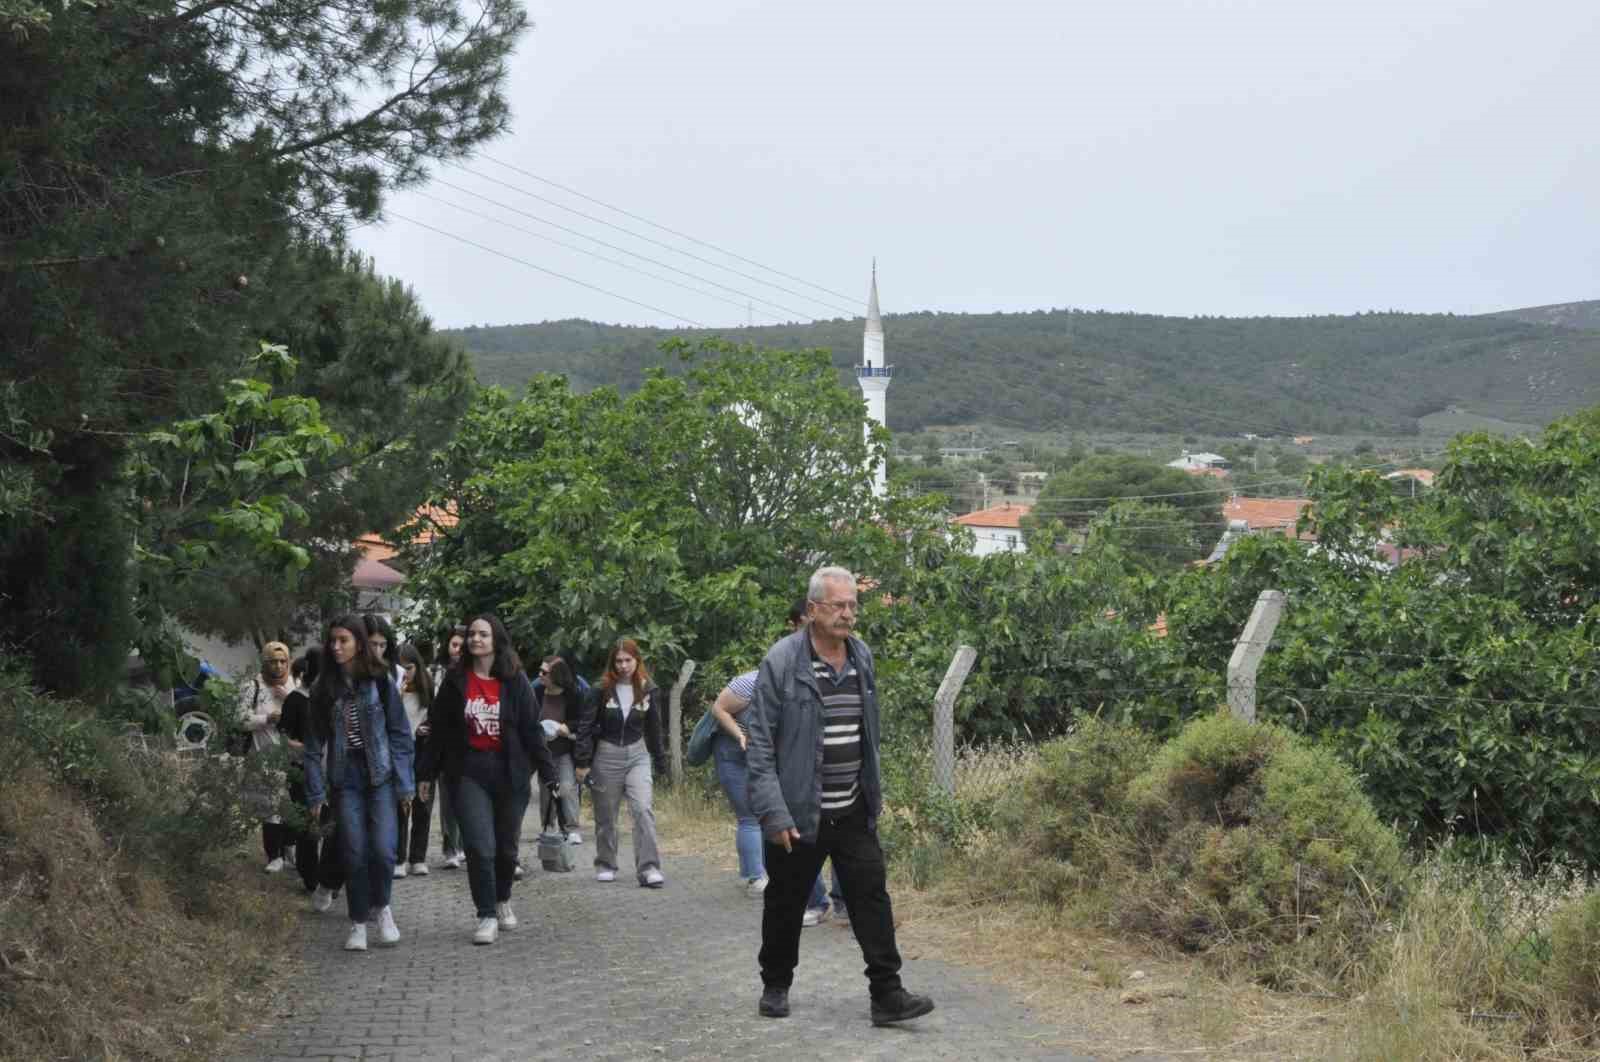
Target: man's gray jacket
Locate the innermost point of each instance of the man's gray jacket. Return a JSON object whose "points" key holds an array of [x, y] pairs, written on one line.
{"points": [[785, 753]]}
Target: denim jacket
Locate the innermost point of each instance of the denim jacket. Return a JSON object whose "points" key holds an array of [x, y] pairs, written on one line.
{"points": [[785, 749], [385, 735]]}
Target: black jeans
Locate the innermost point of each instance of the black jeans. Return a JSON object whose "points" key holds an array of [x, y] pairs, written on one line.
{"points": [[412, 846], [858, 860], [491, 819], [316, 857]]}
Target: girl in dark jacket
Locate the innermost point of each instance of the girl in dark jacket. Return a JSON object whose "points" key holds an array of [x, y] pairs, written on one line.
{"points": [[619, 737], [484, 743]]}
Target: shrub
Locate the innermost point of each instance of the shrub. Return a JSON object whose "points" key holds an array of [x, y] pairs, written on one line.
{"points": [[1249, 838], [1575, 954], [1071, 809]]}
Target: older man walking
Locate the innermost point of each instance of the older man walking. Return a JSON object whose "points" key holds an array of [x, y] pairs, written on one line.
{"points": [[814, 785]]}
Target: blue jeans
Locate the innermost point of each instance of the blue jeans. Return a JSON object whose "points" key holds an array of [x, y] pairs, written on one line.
{"points": [[368, 833], [734, 776]]}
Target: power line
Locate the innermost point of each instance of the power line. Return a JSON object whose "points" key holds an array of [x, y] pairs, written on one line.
{"points": [[551, 272], [651, 240], [592, 254], [664, 228], [612, 246]]}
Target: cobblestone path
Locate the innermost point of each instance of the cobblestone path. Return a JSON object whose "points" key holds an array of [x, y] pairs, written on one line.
{"points": [[614, 971]]}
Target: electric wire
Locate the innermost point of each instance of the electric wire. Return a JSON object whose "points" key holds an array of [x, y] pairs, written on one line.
{"points": [[651, 240], [523, 261], [681, 235], [593, 254], [799, 314]]}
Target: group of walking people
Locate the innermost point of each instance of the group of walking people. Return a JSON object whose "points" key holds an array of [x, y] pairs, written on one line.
{"points": [[377, 739], [797, 757]]}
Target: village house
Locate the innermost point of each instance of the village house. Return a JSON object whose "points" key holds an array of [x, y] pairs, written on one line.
{"points": [[1192, 462], [995, 530]]}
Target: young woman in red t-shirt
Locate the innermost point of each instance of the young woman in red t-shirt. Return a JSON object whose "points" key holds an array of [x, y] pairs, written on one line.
{"points": [[485, 742]]}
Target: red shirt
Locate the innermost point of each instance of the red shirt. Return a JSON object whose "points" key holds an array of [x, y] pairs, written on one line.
{"points": [[483, 713]]}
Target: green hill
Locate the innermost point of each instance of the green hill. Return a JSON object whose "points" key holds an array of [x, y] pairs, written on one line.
{"points": [[1372, 373]]}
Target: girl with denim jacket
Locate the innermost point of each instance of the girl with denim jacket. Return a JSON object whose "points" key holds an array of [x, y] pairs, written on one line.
{"points": [[359, 753]]}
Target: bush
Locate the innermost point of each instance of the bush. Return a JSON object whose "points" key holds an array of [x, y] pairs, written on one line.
{"points": [[1248, 838], [1071, 810], [1575, 954]]}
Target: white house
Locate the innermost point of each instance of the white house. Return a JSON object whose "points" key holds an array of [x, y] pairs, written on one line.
{"points": [[996, 530], [1198, 462]]}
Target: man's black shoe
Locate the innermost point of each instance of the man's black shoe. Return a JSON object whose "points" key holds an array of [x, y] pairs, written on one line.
{"points": [[775, 1003], [899, 1005]]}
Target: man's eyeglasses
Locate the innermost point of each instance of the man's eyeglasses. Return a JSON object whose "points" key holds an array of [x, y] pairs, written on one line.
{"points": [[839, 606], [543, 671]]}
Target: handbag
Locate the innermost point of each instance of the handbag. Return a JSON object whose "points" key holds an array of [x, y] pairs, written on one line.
{"points": [[700, 740]]}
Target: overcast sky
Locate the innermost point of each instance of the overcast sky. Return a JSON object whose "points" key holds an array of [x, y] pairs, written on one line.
{"points": [[1235, 157]]}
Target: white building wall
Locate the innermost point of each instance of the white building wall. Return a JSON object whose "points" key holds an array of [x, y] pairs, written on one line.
{"points": [[987, 540]]}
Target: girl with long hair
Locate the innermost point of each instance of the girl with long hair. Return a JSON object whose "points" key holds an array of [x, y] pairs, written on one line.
{"points": [[455, 644], [484, 745], [359, 724], [416, 694], [619, 739]]}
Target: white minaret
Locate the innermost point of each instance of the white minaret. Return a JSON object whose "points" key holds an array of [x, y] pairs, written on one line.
{"points": [[874, 375]]}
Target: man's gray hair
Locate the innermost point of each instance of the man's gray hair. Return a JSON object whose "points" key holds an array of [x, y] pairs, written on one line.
{"points": [[819, 581]]}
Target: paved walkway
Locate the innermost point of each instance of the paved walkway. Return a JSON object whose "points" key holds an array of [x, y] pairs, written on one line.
{"points": [[615, 972]]}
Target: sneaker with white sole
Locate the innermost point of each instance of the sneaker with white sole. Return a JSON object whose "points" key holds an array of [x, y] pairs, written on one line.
{"points": [[452, 861], [419, 870], [505, 917], [755, 888], [399, 870], [488, 929], [516, 875], [815, 916], [574, 838], [322, 900], [357, 940], [274, 867], [388, 932], [605, 875], [653, 879]]}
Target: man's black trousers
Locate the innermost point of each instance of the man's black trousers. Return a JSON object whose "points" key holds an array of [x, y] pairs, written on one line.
{"points": [[858, 860]]}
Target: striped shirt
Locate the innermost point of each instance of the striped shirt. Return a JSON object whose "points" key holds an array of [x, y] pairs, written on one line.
{"points": [[841, 733], [350, 712], [744, 687]]}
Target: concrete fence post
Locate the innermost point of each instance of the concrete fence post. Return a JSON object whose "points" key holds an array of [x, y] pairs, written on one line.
{"points": [[1248, 651], [944, 721], [675, 720]]}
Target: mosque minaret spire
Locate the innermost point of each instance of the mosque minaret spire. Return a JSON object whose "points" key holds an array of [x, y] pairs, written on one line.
{"points": [[874, 375]]}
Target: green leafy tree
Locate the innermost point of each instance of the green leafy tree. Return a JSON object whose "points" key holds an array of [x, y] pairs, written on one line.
{"points": [[1077, 496], [163, 166], [684, 515]]}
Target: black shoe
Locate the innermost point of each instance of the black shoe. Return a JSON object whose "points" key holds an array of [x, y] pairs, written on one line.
{"points": [[775, 1003], [899, 1005]]}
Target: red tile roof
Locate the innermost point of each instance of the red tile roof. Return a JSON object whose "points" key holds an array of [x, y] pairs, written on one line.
{"points": [[999, 516], [1265, 514]]}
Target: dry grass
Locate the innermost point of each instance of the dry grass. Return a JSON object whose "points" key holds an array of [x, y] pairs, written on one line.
{"points": [[97, 960]]}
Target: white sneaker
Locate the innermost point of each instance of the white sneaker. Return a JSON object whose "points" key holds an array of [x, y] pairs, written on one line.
{"points": [[452, 861], [505, 917], [399, 870], [419, 870], [605, 875], [516, 875], [488, 929], [274, 867], [756, 887], [574, 837], [815, 916], [321, 900], [357, 940], [653, 879], [388, 932]]}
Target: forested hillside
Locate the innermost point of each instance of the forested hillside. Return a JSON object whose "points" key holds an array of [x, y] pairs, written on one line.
{"points": [[1069, 369]]}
